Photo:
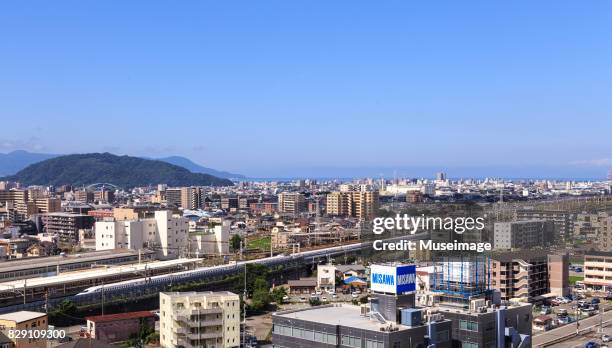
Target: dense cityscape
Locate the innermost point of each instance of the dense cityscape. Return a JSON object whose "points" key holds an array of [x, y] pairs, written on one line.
{"points": [[305, 174], [277, 262]]}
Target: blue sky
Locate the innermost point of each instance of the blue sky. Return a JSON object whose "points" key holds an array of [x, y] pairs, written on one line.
{"points": [[315, 88]]}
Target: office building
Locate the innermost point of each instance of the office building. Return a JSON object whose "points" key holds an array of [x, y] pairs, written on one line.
{"points": [[354, 326], [523, 234], [598, 270], [199, 319]]}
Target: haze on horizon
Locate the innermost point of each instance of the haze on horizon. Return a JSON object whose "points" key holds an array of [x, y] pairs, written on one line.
{"points": [[342, 89]]}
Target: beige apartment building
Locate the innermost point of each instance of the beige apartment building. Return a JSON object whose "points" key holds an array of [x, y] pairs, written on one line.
{"points": [[359, 204], [199, 319], [598, 270], [530, 275], [24, 320], [291, 202]]}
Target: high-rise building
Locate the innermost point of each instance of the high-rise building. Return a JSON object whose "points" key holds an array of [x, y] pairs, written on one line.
{"points": [[563, 220], [360, 204], [529, 275], [338, 204], [291, 202], [173, 197], [192, 197], [199, 319], [523, 234], [66, 225]]}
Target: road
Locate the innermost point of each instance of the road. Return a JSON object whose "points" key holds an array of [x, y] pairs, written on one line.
{"points": [[541, 339]]}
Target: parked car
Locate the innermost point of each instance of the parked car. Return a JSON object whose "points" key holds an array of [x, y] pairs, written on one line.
{"points": [[578, 269], [545, 310], [588, 311], [609, 297], [595, 300], [606, 338], [591, 344]]}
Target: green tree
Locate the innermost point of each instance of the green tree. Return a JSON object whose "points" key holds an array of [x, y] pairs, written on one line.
{"points": [[278, 293], [261, 294], [235, 242]]}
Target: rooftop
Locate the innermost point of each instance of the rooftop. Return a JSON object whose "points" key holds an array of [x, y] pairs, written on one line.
{"points": [[21, 316], [303, 282], [52, 261], [526, 255], [120, 316], [345, 315]]}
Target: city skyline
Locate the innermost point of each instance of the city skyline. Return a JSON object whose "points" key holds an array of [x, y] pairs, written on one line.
{"points": [[343, 90]]}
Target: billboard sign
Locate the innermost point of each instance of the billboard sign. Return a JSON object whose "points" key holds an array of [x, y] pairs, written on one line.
{"points": [[393, 279]]}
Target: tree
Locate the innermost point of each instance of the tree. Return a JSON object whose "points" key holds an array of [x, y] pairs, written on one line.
{"points": [[278, 293], [235, 242], [261, 294]]}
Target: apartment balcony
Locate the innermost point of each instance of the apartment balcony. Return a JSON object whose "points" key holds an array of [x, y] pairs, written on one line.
{"points": [[198, 322], [184, 333]]}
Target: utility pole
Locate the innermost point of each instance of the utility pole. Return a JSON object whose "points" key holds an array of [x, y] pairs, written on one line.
{"points": [[103, 298], [244, 296]]}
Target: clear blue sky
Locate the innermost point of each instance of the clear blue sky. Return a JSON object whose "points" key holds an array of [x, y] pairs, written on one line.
{"points": [[289, 88]]}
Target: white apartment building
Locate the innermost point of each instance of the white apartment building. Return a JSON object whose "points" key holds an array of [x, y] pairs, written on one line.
{"points": [[326, 277], [199, 319], [210, 241], [598, 270], [166, 233]]}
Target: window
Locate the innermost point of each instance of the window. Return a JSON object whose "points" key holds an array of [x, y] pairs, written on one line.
{"points": [[468, 325]]}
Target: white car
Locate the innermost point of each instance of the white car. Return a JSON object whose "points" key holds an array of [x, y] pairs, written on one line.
{"points": [[355, 295], [606, 338], [318, 292]]}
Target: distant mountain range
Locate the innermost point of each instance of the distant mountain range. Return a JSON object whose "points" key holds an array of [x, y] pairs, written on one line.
{"points": [[123, 171], [196, 168], [15, 161], [12, 162]]}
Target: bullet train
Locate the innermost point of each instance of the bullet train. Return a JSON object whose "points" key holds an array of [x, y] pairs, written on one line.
{"points": [[160, 282]]}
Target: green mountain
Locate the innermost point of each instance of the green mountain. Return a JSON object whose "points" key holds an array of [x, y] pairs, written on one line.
{"points": [[123, 171]]}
